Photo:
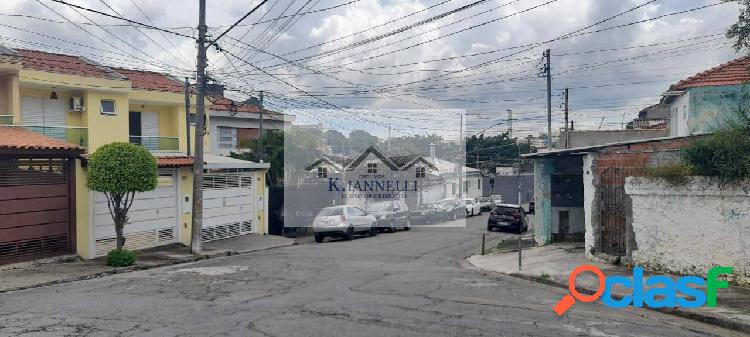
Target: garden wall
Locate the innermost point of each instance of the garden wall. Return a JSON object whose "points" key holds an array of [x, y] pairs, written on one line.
{"points": [[690, 228]]}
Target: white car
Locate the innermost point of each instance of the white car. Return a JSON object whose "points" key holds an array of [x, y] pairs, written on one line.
{"points": [[496, 199], [472, 207], [343, 221]]}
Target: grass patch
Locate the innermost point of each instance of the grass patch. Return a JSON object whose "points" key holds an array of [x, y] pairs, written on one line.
{"points": [[674, 174]]}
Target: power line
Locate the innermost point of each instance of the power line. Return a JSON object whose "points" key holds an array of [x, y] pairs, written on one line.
{"points": [[213, 43], [120, 18]]}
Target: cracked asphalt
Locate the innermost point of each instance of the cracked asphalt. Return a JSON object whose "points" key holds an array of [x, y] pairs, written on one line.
{"points": [[414, 283]]}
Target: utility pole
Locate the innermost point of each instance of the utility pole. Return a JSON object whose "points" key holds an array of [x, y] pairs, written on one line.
{"points": [[565, 96], [261, 150], [567, 130], [510, 124], [548, 74], [460, 164], [187, 113], [196, 244]]}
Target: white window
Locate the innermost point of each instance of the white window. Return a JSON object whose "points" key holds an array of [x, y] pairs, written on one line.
{"points": [[322, 172], [372, 167], [420, 172], [227, 137], [108, 107]]}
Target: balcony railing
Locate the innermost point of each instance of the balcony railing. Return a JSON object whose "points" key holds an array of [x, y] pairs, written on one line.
{"points": [[153, 143], [6, 119], [70, 134]]}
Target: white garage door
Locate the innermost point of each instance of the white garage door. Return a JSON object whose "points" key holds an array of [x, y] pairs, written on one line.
{"points": [[228, 205], [153, 218]]}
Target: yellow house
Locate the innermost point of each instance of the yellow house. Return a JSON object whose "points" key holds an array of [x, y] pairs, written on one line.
{"points": [[83, 103]]}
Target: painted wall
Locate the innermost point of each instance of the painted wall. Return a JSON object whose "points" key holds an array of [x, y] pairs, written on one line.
{"points": [[592, 137], [261, 202], [691, 228], [84, 238], [543, 169], [591, 212], [678, 108], [185, 176], [709, 107], [103, 128], [507, 186]]}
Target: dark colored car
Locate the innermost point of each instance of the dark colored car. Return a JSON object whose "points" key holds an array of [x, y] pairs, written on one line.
{"points": [[390, 215], [426, 214], [453, 208], [509, 217]]}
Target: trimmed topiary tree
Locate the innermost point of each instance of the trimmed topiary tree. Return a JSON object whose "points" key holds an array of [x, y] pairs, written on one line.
{"points": [[119, 170]]}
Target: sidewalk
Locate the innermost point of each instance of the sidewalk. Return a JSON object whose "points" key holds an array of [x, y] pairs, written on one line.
{"points": [[66, 269], [553, 264]]}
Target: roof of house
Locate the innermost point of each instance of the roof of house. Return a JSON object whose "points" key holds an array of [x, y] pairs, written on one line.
{"points": [[582, 150], [162, 160], [730, 73], [13, 138], [151, 80], [65, 64], [225, 104], [174, 161]]}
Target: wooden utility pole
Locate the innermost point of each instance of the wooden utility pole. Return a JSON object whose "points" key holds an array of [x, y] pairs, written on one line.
{"points": [[567, 130], [196, 242], [548, 74]]}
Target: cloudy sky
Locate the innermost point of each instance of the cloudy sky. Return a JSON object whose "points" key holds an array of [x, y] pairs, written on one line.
{"points": [[413, 65]]}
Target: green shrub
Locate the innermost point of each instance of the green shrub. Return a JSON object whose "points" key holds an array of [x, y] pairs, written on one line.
{"points": [[724, 155], [121, 258], [674, 174]]}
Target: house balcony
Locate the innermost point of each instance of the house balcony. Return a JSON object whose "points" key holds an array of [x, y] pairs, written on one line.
{"points": [[156, 143], [71, 134]]}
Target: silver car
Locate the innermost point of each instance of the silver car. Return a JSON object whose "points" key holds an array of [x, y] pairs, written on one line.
{"points": [[343, 221]]}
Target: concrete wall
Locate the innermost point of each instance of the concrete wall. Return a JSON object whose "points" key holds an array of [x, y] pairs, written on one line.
{"points": [[542, 227], [709, 107], [691, 228], [590, 208], [590, 138]]}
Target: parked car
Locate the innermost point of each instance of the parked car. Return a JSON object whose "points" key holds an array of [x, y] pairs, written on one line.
{"points": [[507, 216], [390, 215], [496, 199], [426, 214], [452, 208], [485, 203], [343, 221], [472, 207]]}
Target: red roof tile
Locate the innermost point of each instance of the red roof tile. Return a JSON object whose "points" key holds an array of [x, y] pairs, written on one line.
{"points": [[174, 161], [149, 80], [730, 73], [224, 104], [64, 64], [161, 161], [18, 138]]}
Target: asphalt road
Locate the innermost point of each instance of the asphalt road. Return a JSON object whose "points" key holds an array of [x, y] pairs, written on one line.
{"points": [[414, 283]]}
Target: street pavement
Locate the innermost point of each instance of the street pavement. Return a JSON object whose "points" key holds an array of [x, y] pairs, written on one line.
{"points": [[414, 283]]}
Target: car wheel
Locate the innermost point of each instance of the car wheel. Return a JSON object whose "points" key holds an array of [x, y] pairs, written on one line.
{"points": [[373, 230], [349, 234], [455, 216], [319, 238]]}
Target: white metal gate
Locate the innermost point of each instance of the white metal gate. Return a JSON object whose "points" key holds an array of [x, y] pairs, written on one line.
{"points": [[153, 218], [229, 201]]}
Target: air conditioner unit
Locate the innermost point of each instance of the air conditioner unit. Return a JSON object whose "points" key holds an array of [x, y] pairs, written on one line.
{"points": [[75, 104]]}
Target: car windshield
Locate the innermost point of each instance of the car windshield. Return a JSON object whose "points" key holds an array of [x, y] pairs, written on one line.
{"points": [[496, 197], [331, 211]]}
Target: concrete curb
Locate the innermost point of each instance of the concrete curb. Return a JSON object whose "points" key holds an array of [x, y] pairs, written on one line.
{"points": [[114, 271], [701, 317]]}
